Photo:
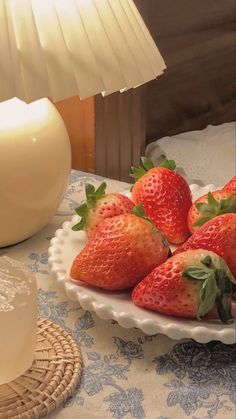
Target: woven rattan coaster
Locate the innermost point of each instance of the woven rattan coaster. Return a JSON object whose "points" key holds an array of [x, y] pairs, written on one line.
{"points": [[52, 378]]}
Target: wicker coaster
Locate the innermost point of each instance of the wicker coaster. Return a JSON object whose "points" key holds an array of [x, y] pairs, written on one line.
{"points": [[51, 379]]}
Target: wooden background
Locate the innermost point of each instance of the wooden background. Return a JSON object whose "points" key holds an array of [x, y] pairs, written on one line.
{"points": [[197, 41], [79, 118]]}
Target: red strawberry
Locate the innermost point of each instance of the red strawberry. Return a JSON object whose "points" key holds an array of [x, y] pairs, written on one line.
{"points": [[231, 185], [209, 206], [100, 206], [217, 235], [190, 284], [165, 196], [120, 253]]}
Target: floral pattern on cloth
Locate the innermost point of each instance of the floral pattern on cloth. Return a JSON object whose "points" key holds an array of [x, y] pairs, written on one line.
{"points": [[205, 376], [127, 374]]}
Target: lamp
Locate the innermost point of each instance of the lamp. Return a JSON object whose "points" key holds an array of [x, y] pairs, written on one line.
{"points": [[57, 49]]}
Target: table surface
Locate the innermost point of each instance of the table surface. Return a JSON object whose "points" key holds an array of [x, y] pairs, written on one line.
{"points": [[126, 373]]}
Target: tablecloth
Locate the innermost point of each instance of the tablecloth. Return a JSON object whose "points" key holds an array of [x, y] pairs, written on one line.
{"points": [[127, 374]]}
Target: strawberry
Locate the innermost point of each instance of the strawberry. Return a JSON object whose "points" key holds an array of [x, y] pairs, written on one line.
{"points": [[231, 185], [122, 250], [217, 235], [165, 196], [100, 206], [209, 206], [190, 284]]}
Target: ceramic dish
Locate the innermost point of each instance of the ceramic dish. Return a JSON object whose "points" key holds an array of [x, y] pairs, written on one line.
{"points": [[118, 305]]}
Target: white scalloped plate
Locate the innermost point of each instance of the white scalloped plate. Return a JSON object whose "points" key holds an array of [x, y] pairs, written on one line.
{"points": [[118, 305]]}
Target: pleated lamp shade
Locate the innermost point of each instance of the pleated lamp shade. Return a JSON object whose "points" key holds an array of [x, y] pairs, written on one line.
{"points": [[63, 48]]}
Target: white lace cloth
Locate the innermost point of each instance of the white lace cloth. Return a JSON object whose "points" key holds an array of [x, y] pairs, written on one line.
{"points": [[206, 156]]}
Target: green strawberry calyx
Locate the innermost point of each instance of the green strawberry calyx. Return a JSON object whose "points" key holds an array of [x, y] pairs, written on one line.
{"points": [[147, 164], [213, 208], [216, 288], [92, 196]]}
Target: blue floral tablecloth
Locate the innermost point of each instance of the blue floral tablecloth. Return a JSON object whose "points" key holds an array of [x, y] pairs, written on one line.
{"points": [[127, 374]]}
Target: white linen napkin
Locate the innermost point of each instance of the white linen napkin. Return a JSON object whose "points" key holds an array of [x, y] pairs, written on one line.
{"points": [[205, 156]]}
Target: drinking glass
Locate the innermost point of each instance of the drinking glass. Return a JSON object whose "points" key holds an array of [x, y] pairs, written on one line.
{"points": [[18, 319]]}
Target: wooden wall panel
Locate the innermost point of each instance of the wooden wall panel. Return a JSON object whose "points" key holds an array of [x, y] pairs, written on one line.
{"points": [[107, 134], [197, 40], [119, 132], [78, 116]]}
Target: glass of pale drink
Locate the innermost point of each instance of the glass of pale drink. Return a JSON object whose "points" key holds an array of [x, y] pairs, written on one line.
{"points": [[18, 319]]}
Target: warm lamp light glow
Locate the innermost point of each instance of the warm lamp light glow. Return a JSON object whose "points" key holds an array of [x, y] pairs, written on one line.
{"points": [[19, 116], [65, 48]]}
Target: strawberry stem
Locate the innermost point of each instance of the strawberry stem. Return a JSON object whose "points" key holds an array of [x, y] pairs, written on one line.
{"points": [[213, 208], [92, 196], [216, 288], [147, 164], [168, 164]]}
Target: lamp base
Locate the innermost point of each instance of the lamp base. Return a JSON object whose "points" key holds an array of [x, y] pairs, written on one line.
{"points": [[35, 163]]}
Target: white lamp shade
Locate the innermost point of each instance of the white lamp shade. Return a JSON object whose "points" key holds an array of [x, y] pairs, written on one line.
{"points": [[63, 48]]}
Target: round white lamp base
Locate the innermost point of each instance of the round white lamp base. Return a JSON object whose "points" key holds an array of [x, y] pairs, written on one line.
{"points": [[35, 162]]}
